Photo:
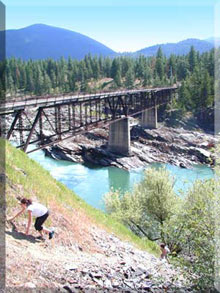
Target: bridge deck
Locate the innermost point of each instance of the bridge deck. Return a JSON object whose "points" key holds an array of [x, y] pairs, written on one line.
{"points": [[50, 100]]}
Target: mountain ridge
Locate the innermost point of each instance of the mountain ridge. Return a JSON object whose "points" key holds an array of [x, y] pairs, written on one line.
{"points": [[40, 41], [179, 48], [27, 43]]}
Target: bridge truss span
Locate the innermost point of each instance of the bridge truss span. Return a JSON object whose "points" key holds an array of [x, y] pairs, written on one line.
{"points": [[47, 120]]}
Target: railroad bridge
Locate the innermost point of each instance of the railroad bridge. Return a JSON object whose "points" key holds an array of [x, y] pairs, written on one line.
{"points": [[46, 120]]}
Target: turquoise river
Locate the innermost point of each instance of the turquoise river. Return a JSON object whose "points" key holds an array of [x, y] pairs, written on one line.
{"points": [[92, 183]]}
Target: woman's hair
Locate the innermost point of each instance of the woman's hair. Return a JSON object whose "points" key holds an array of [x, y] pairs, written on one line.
{"points": [[162, 245], [26, 201]]}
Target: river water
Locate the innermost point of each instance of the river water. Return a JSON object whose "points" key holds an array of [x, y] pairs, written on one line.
{"points": [[92, 183]]}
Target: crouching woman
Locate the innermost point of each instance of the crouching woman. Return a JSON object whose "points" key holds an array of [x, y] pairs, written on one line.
{"points": [[37, 210]]}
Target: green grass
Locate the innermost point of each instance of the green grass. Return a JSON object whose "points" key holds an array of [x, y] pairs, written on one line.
{"points": [[28, 179]]}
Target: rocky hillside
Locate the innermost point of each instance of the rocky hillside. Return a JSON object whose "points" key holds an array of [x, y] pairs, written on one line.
{"points": [[89, 251]]}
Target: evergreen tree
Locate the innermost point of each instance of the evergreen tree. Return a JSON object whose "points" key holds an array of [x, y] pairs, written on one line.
{"points": [[30, 85], [84, 87], [47, 85], [129, 78], [182, 69], [147, 77], [192, 58], [39, 82], [159, 66], [205, 96], [117, 78], [184, 99], [116, 72]]}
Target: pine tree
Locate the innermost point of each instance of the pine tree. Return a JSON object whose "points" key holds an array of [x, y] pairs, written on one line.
{"points": [[182, 69], [117, 78], [192, 58], [39, 82], [30, 84], [47, 85], [95, 68], [84, 87], [159, 66], [147, 77], [116, 72], [205, 96], [129, 78], [184, 97], [107, 67]]}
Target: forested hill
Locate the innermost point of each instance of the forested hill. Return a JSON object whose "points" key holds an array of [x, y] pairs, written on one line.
{"points": [[41, 41], [180, 48]]}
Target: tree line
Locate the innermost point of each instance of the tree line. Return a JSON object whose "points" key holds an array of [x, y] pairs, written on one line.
{"points": [[194, 72]]}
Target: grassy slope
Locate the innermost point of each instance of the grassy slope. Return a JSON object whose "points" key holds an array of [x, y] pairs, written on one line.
{"points": [[27, 178]]}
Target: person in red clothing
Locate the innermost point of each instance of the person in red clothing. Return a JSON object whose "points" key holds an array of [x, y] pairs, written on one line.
{"points": [[37, 210]]}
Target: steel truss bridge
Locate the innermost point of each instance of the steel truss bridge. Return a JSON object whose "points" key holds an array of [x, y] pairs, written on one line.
{"points": [[47, 120]]}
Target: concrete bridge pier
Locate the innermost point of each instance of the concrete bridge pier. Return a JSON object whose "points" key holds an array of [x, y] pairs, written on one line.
{"points": [[119, 136], [149, 118]]}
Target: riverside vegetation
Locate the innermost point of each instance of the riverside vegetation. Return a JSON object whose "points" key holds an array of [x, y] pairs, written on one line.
{"points": [[187, 224]]}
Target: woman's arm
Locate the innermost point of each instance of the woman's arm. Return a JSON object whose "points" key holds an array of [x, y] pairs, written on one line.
{"points": [[18, 214], [29, 222]]}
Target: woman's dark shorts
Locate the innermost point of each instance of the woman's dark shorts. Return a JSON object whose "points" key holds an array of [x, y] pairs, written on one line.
{"points": [[39, 221]]}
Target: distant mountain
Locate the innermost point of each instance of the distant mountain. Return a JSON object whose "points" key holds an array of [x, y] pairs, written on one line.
{"points": [[180, 48], [214, 41], [41, 41]]}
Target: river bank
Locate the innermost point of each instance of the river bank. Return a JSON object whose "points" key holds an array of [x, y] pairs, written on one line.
{"points": [[175, 146], [89, 252]]}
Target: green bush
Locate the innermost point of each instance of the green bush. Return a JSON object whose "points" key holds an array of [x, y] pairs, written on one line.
{"points": [[187, 225]]}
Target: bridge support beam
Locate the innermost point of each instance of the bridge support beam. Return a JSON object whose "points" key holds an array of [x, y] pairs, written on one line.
{"points": [[119, 137], [149, 118]]}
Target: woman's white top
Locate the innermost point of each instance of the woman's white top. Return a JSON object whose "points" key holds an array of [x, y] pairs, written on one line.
{"points": [[37, 209], [167, 249]]}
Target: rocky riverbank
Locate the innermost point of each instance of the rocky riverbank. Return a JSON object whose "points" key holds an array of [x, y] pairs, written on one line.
{"points": [[163, 145]]}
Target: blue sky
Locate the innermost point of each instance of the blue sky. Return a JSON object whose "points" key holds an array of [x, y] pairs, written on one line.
{"points": [[122, 25]]}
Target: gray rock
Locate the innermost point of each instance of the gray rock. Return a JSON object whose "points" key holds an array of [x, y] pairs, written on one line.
{"points": [[165, 145]]}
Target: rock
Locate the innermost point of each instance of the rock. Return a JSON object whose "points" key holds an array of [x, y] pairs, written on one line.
{"points": [[182, 165], [115, 284], [80, 248], [202, 154], [165, 145], [71, 267], [67, 288], [30, 285], [99, 282], [97, 275], [108, 284]]}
